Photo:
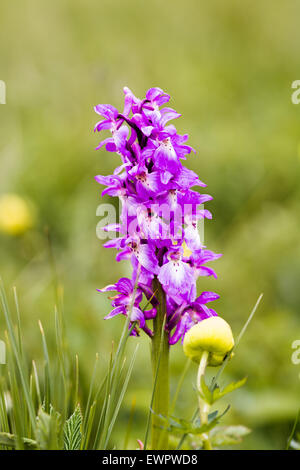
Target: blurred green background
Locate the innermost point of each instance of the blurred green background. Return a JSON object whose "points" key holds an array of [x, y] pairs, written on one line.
{"points": [[229, 68]]}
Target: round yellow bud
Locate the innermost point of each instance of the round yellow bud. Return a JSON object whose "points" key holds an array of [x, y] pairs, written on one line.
{"points": [[213, 335], [15, 215]]}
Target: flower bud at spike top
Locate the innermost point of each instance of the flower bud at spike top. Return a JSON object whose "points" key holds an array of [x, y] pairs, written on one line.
{"points": [[15, 215], [213, 335]]}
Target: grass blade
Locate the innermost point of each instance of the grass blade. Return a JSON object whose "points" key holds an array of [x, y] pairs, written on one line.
{"points": [[16, 353]]}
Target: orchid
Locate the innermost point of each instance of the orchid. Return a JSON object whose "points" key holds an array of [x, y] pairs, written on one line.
{"points": [[157, 231], [160, 211]]}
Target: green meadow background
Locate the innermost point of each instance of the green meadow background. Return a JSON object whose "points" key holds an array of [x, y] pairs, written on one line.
{"points": [[229, 67]]}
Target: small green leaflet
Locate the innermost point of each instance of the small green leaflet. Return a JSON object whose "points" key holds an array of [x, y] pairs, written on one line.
{"points": [[72, 431], [212, 397], [48, 429], [183, 426], [228, 435], [218, 393]]}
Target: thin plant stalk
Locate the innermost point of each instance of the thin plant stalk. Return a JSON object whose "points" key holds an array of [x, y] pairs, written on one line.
{"points": [[203, 406]]}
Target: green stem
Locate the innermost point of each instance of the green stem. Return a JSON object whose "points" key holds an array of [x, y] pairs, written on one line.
{"points": [[160, 371], [203, 405]]}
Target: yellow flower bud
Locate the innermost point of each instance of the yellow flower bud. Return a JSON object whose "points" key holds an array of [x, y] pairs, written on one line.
{"points": [[15, 215], [213, 335]]}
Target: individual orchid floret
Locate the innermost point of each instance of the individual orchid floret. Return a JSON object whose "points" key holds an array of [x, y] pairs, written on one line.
{"points": [[192, 314], [127, 302], [175, 275]]}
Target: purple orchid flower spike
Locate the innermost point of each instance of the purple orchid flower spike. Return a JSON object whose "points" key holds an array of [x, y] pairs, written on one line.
{"points": [[158, 226]]}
